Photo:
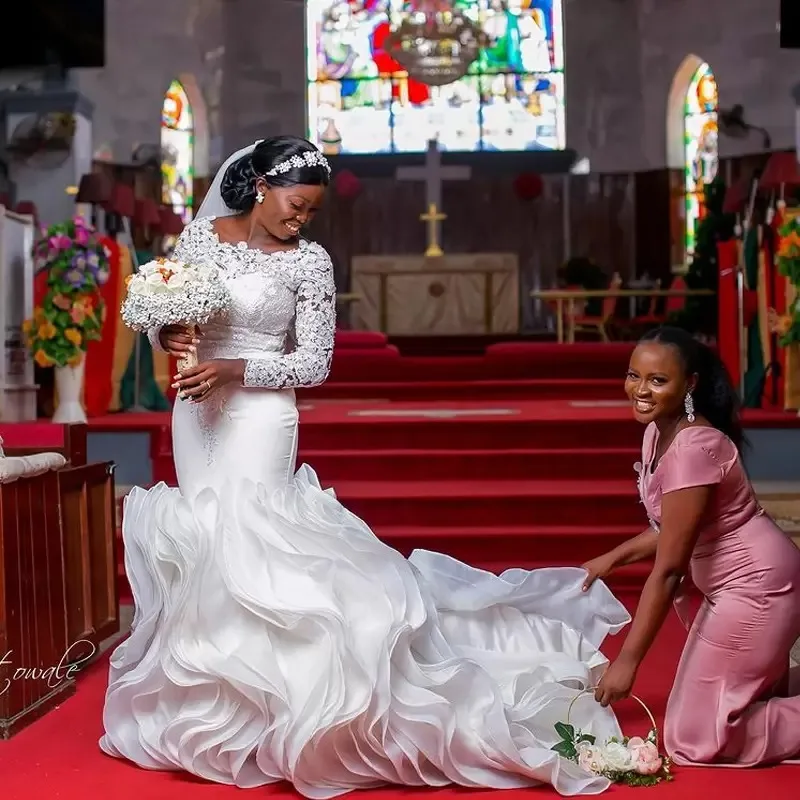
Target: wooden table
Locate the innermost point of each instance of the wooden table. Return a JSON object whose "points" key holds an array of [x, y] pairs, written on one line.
{"points": [[570, 297]]}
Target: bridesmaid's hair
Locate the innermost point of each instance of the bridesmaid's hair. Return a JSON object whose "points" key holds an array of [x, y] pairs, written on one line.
{"points": [[238, 187], [714, 396]]}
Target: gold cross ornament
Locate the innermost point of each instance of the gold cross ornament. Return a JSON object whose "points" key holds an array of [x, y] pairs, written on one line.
{"points": [[433, 217]]}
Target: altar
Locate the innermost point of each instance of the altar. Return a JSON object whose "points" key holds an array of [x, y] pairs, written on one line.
{"points": [[433, 293], [417, 295]]}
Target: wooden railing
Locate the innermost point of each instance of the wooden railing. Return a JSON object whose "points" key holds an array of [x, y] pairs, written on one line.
{"points": [[58, 592]]}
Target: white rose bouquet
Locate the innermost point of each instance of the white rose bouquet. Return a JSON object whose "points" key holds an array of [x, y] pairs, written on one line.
{"points": [[634, 761], [165, 292]]}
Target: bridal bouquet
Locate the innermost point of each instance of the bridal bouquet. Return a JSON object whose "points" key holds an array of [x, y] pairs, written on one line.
{"points": [[631, 761], [165, 292]]}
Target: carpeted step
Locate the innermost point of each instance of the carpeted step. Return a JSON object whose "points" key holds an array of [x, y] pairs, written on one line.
{"points": [[444, 391], [454, 464], [502, 547], [493, 503], [499, 429]]}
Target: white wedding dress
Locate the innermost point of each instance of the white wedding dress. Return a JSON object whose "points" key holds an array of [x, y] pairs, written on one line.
{"points": [[276, 638]]}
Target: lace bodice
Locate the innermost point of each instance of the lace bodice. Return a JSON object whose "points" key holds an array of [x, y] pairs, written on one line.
{"points": [[283, 312]]}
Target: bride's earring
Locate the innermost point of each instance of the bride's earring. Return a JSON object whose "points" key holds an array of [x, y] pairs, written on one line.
{"points": [[260, 197], [688, 405]]}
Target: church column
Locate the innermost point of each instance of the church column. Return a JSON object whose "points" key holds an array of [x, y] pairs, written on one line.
{"points": [[264, 73]]}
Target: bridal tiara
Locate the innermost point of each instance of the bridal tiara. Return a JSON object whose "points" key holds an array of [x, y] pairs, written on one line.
{"points": [[311, 158]]}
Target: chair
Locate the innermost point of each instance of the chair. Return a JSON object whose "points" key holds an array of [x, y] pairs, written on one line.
{"points": [[673, 304], [580, 323]]}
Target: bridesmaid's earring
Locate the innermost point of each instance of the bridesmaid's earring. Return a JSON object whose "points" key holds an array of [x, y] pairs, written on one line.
{"points": [[688, 405], [260, 197]]}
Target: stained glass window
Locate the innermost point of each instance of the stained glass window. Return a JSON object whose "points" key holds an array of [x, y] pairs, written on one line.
{"points": [[177, 151], [362, 100], [701, 148]]}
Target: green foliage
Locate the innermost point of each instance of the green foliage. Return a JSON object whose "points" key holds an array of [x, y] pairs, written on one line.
{"points": [[72, 311], [699, 314]]}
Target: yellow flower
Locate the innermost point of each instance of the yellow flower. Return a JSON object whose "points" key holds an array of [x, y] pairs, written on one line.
{"points": [[73, 335], [27, 326], [46, 330], [42, 359], [75, 360]]}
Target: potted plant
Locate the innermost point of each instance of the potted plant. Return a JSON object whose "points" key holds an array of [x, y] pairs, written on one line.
{"points": [[72, 311]]}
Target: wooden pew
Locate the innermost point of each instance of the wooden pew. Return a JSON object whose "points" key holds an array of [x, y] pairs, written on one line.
{"points": [[58, 580]]}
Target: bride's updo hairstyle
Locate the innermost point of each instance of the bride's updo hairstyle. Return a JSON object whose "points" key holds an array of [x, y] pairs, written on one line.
{"points": [[238, 187]]}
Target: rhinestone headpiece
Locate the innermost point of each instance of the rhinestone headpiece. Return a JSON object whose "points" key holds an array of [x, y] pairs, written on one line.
{"points": [[311, 158]]}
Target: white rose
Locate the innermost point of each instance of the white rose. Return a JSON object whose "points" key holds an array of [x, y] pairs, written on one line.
{"points": [[136, 286], [617, 757], [590, 758], [177, 281], [154, 283]]}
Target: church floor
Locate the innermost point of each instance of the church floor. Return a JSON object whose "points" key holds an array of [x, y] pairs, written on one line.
{"points": [[57, 758]]}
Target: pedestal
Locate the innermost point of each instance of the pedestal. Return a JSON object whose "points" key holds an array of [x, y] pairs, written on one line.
{"points": [[17, 386], [461, 294]]}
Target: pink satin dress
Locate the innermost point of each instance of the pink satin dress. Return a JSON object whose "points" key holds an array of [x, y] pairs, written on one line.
{"points": [[733, 702]]}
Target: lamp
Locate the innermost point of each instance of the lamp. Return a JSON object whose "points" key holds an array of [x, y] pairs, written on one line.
{"points": [[146, 213], [94, 189], [170, 223], [121, 201]]}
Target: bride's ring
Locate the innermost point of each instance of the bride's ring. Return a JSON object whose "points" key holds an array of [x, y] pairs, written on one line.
{"points": [[208, 386]]}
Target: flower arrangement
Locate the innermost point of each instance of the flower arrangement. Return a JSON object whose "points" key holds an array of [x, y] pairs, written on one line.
{"points": [[169, 292], [787, 326], [630, 761], [72, 311]]}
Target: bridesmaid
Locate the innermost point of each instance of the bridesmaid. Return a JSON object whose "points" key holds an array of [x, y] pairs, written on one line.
{"points": [[734, 701]]}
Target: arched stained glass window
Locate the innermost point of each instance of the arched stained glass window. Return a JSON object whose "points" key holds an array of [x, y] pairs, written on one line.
{"points": [[701, 151], [361, 99], [177, 151]]}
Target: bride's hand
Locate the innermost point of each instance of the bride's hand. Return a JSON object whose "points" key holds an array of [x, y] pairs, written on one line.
{"points": [[197, 383], [177, 340]]}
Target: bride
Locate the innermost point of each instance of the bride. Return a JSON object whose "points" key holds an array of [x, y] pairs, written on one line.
{"points": [[275, 637]]}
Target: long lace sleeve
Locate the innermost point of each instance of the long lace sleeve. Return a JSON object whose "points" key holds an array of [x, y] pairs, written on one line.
{"points": [[185, 248], [315, 322]]}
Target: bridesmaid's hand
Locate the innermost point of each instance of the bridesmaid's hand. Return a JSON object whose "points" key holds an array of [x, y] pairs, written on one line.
{"points": [[197, 383], [597, 568], [617, 682]]}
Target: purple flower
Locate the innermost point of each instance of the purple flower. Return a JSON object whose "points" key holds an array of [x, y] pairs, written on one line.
{"points": [[74, 278]]}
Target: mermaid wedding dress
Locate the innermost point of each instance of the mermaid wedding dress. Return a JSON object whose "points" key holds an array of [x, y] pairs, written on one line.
{"points": [[276, 638]]}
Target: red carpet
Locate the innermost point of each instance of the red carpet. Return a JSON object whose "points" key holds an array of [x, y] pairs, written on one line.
{"points": [[531, 465], [58, 759]]}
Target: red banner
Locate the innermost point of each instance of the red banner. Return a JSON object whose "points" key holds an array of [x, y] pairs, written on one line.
{"points": [[728, 309]]}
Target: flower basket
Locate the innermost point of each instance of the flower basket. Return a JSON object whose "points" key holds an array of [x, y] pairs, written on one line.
{"points": [[630, 761], [72, 311]]}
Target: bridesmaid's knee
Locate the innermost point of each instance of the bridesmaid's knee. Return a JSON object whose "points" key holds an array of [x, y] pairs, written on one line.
{"points": [[692, 741]]}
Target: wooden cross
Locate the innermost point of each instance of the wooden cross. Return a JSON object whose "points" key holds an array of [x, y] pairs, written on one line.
{"points": [[434, 174], [433, 218]]}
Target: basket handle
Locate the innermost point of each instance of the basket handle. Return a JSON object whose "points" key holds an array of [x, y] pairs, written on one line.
{"points": [[641, 702]]}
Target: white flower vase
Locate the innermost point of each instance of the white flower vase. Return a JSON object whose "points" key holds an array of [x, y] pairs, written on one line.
{"points": [[69, 388]]}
